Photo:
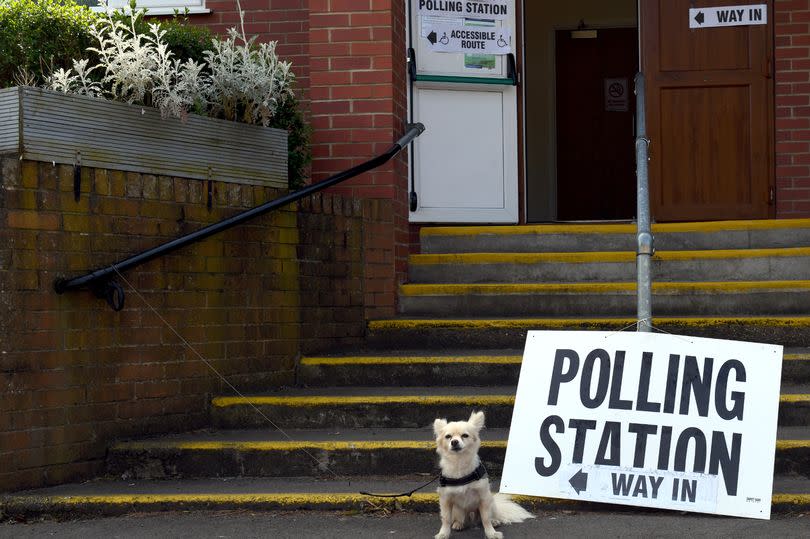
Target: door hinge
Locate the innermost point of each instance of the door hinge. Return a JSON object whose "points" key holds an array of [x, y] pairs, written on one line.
{"points": [[771, 196]]}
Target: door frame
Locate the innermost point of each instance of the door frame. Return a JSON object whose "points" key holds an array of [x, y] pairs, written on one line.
{"points": [[512, 212], [544, 125]]}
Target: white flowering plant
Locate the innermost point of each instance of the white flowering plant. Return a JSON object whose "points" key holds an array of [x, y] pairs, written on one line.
{"points": [[237, 79], [182, 68]]}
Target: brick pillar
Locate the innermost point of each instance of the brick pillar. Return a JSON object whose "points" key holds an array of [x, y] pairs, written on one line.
{"points": [[358, 108], [792, 67]]}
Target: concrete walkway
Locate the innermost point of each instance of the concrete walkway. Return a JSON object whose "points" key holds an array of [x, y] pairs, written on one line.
{"points": [[322, 525]]}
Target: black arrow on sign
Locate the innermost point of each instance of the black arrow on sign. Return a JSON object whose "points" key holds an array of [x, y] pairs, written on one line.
{"points": [[699, 17], [432, 38], [579, 481]]}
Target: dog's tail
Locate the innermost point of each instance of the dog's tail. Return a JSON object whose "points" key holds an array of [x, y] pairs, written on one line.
{"points": [[508, 512]]}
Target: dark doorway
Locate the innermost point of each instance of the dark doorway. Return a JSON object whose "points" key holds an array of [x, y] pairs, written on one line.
{"points": [[595, 128]]}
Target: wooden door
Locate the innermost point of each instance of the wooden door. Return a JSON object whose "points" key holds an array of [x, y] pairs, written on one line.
{"points": [[596, 177], [709, 114]]}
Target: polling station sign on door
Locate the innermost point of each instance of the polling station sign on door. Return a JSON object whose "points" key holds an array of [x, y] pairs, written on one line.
{"points": [[469, 27], [646, 419]]}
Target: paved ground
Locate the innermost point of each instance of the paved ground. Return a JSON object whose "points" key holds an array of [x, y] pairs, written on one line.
{"points": [[319, 525]]}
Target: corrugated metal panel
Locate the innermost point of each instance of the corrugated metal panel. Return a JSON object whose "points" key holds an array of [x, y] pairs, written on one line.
{"points": [[129, 137], [9, 120]]}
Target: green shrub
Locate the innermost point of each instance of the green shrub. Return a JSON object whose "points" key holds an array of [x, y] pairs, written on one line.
{"points": [[289, 117], [38, 36], [185, 40]]}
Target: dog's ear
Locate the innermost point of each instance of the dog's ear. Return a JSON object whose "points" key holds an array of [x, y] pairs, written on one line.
{"points": [[438, 426], [477, 420]]}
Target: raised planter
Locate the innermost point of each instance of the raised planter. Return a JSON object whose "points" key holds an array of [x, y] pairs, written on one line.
{"points": [[44, 125]]}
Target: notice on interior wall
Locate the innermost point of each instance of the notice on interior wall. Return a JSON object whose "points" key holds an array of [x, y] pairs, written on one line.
{"points": [[617, 97], [481, 9]]}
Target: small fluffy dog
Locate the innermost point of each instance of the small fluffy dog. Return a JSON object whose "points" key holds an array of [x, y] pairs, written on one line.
{"points": [[464, 485]]}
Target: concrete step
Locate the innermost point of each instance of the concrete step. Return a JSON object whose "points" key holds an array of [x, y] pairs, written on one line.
{"points": [[759, 234], [352, 452], [405, 407], [500, 333], [706, 265], [605, 299], [468, 367], [109, 498]]}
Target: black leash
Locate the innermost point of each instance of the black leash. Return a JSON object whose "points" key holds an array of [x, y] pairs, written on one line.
{"points": [[479, 473], [400, 495]]}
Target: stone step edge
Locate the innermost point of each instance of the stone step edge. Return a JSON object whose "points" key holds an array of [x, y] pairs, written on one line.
{"points": [[420, 502], [599, 257], [615, 228], [668, 287]]}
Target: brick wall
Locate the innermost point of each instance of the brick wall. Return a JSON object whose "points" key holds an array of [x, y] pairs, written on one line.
{"points": [[330, 252], [354, 95], [74, 374], [792, 96], [358, 108]]}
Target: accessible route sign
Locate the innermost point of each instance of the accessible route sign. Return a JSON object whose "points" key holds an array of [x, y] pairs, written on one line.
{"points": [[458, 37], [646, 419]]}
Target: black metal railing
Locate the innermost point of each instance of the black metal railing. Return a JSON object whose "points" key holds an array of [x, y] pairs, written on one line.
{"points": [[100, 281]]}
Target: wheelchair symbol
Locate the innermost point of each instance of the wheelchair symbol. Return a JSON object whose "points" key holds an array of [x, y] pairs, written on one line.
{"points": [[444, 40], [501, 41]]}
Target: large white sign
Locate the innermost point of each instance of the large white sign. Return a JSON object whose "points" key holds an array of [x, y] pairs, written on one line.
{"points": [[455, 37], [646, 419], [712, 17], [473, 9]]}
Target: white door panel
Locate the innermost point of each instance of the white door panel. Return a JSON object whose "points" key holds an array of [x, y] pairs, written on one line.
{"points": [[465, 163], [460, 150]]}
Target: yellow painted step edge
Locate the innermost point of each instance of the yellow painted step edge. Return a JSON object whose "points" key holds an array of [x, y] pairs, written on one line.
{"points": [[292, 499], [150, 499], [586, 288], [430, 360], [630, 228], [359, 445], [332, 400], [406, 360], [338, 400], [596, 257], [563, 323]]}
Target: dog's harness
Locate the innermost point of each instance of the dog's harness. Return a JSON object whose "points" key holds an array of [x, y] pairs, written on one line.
{"points": [[478, 473]]}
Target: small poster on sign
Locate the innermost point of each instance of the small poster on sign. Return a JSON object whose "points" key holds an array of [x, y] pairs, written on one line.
{"points": [[617, 98], [646, 419]]}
